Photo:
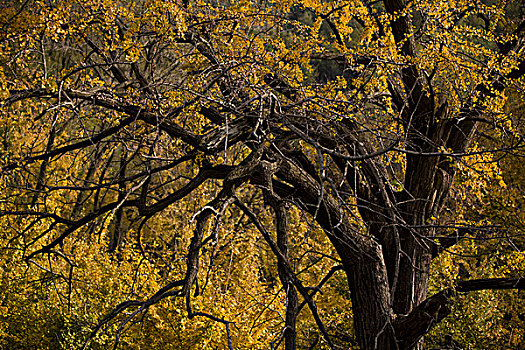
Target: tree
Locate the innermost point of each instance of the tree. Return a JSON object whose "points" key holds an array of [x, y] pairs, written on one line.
{"points": [[123, 110]]}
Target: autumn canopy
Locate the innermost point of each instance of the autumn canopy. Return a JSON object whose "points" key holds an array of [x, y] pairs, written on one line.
{"points": [[262, 174]]}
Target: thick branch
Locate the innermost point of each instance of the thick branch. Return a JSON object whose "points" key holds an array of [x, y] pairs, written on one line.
{"points": [[491, 283], [411, 328]]}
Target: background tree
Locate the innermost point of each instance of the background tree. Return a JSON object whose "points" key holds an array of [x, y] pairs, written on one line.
{"points": [[184, 134]]}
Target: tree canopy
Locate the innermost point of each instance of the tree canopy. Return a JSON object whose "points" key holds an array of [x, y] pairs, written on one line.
{"points": [[253, 174]]}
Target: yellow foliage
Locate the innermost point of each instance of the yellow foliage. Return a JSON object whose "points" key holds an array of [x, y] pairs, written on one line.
{"points": [[148, 71]]}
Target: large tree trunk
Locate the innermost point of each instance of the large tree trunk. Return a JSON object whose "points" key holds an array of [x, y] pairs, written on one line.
{"points": [[373, 317]]}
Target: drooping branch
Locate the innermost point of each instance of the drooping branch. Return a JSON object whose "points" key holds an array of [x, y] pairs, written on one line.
{"points": [[287, 269], [164, 292], [283, 263], [179, 288], [75, 225]]}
